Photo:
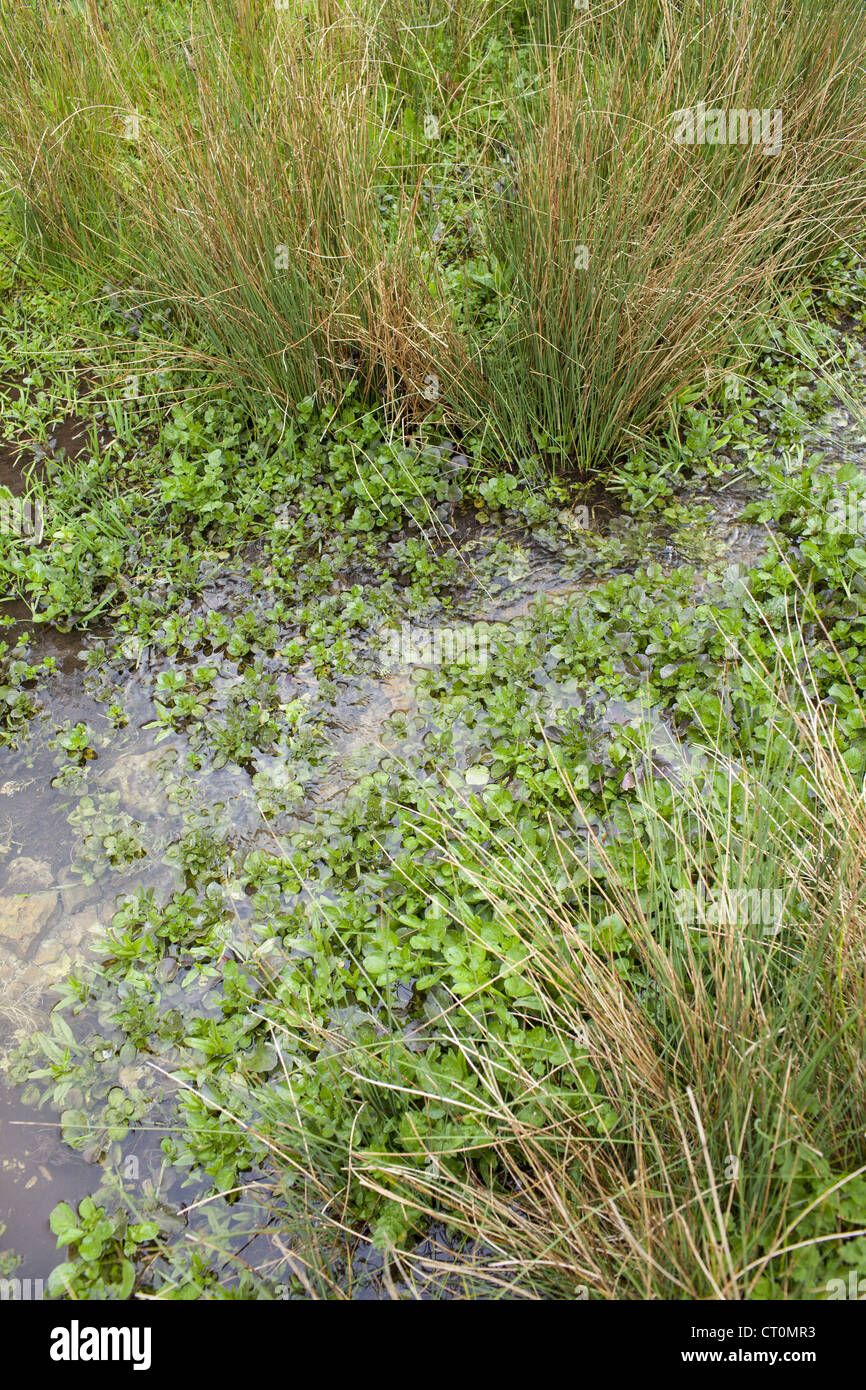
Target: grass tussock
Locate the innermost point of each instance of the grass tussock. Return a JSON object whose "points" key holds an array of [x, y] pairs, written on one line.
{"points": [[632, 258], [707, 1140], [472, 209]]}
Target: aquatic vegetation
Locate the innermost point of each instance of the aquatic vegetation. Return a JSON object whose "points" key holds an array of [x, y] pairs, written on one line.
{"points": [[536, 974]]}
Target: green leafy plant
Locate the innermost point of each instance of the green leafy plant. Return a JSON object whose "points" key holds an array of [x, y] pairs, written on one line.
{"points": [[101, 1251]]}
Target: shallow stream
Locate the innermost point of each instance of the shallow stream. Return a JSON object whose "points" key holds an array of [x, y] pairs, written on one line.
{"points": [[80, 832]]}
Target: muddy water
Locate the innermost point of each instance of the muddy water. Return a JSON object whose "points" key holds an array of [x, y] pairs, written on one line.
{"points": [[58, 892]]}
